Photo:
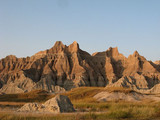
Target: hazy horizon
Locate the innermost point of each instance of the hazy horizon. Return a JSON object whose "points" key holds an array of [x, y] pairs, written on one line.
{"points": [[27, 27]]}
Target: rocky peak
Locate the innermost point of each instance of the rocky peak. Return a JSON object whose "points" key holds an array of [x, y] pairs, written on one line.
{"points": [[112, 52], [136, 54], [58, 43], [74, 47], [69, 67], [58, 47], [11, 57]]}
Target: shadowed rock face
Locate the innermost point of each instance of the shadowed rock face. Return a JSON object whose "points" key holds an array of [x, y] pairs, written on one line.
{"points": [[64, 67]]}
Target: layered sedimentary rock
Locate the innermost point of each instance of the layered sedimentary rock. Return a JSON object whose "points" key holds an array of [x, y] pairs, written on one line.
{"points": [[157, 62], [58, 104], [64, 67], [116, 96]]}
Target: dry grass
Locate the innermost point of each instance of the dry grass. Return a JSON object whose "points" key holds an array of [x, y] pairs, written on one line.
{"points": [[83, 94], [119, 89], [33, 96], [77, 94], [115, 111], [82, 99], [12, 103]]}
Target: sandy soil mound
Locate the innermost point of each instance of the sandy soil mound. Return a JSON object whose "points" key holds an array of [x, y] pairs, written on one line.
{"points": [[30, 107], [115, 96], [57, 104]]}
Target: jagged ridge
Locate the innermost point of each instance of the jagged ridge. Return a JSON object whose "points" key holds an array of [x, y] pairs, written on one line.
{"points": [[64, 67]]}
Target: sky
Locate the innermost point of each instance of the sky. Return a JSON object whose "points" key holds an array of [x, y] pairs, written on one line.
{"points": [[29, 26]]}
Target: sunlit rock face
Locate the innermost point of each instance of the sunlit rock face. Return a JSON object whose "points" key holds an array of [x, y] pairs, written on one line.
{"points": [[64, 67], [58, 104]]}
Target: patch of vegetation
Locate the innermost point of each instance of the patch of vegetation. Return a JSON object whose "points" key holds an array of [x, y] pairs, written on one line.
{"points": [[82, 99], [33, 96], [127, 114], [83, 94], [119, 89]]}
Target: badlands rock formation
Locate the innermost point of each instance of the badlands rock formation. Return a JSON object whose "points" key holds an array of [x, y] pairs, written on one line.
{"points": [[64, 67], [116, 96], [157, 62], [58, 104]]}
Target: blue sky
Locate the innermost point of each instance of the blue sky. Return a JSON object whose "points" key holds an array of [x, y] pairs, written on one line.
{"points": [[28, 26]]}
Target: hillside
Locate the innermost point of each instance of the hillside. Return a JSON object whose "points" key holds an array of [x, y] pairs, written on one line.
{"points": [[97, 103], [64, 67]]}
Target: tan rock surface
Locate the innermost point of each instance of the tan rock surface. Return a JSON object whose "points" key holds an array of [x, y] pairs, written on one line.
{"points": [[30, 107], [58, 104], [116, 96], [69, 67], [125, 82], [157, 62]]}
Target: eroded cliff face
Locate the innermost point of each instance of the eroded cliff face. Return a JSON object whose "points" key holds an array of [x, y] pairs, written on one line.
{"points": [[64, 67]]}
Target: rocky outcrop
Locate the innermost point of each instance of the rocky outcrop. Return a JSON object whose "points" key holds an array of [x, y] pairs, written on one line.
{"points": [[31, 107], [58, 104], [117, 96], [154, 90], [135, 82], [64, 67], [124, 82], [157, 62]]}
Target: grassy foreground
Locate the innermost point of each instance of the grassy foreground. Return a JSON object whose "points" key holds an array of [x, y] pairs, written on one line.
{"points": [[87, 107], [115, 111]]}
